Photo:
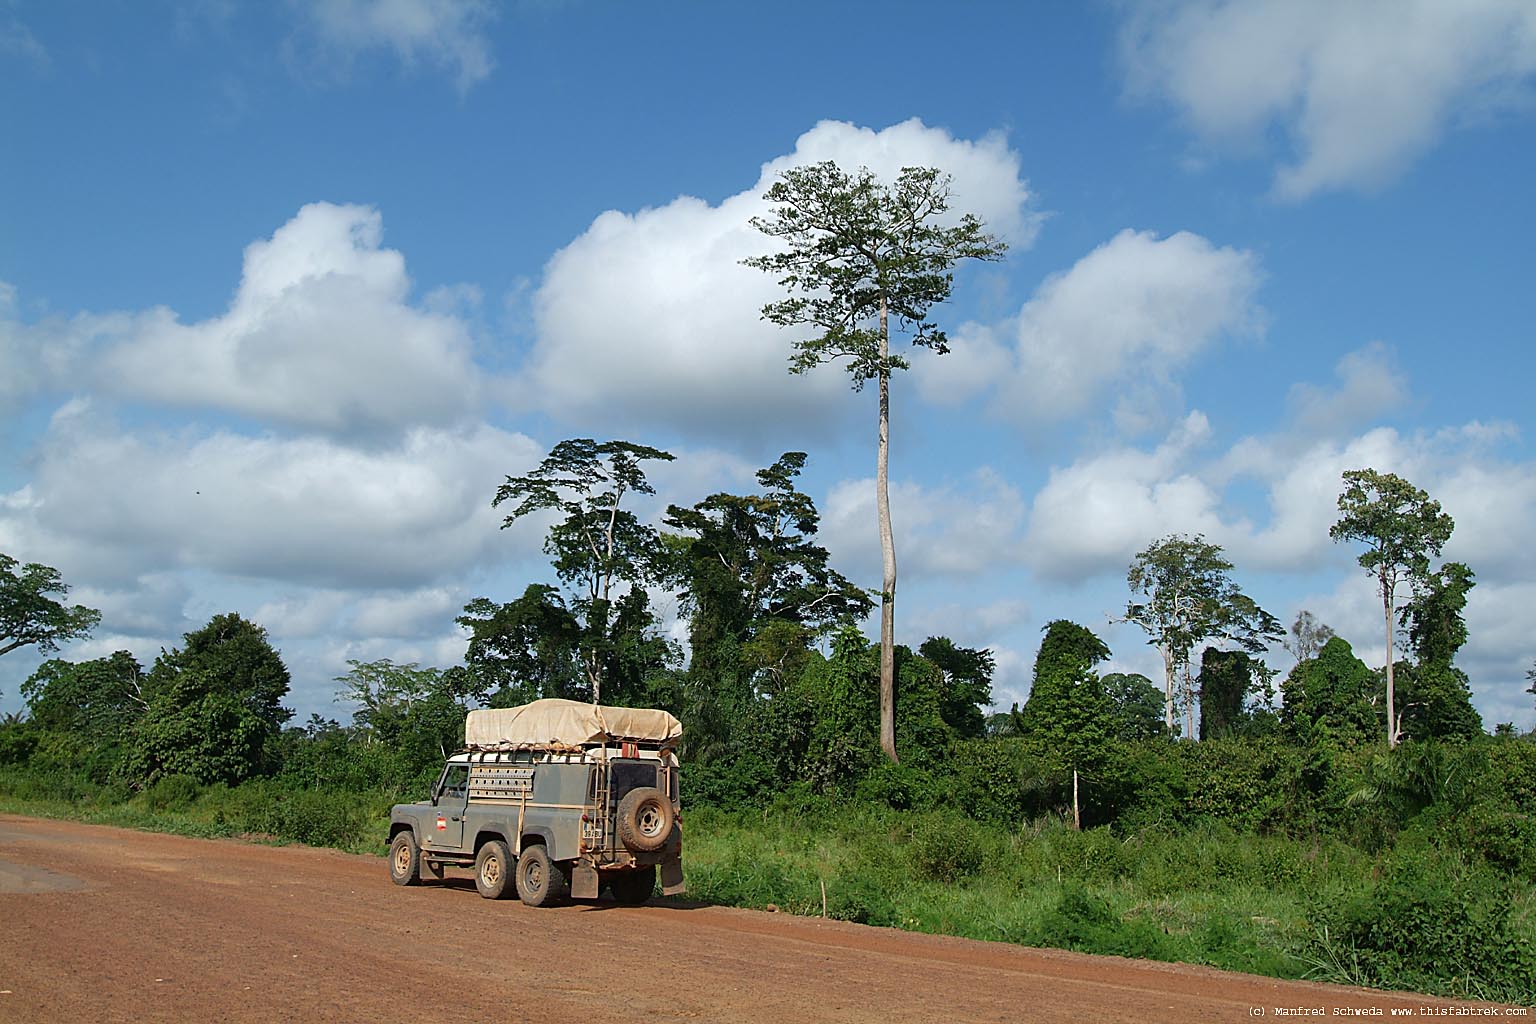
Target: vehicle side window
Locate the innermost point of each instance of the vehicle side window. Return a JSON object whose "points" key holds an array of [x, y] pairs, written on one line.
{"points": [[455, 782]]}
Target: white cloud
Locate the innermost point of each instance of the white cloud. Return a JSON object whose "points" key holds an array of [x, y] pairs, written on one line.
{"points": [[1131, 313], [651, 318], [940, 531], [1360, 89], [301, 510], [1370, 385], [1094, 515], [319, 336], [450, 34]]}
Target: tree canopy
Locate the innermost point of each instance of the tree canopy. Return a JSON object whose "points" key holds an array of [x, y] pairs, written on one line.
{"points": [[30, 616]]}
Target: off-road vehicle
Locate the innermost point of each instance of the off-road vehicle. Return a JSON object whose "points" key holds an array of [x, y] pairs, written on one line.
{"points": [[550, 799]]}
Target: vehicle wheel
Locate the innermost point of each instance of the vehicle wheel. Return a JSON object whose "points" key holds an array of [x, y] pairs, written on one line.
{"points": [[645, 819], [405, 859], [633, 888], [539, 879], [493, 870]]}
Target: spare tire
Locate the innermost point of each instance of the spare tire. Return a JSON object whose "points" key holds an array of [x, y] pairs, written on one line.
{"points": [[645, 819]]}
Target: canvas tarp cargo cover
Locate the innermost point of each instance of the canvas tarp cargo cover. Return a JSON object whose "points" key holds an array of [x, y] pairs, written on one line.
{"points": [[569, 723]]}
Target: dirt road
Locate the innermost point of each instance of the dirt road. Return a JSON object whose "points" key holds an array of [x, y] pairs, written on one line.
{"points": [[102, 924]]}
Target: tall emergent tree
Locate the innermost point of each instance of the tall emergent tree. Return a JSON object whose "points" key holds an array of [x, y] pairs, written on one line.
{"points": [[1401, 527], [28, 615], [1189, 598], [598, 544], [858, 253]]}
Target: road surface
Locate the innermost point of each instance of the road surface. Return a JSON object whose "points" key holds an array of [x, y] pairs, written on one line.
{"points": [[103, 924]]}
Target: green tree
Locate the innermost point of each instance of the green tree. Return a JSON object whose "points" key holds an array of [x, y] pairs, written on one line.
{"points": [[1067, 706], [1226, 679], [1329, 695], [599, 544], [1189, 598], [965, 684], [1135, 706], [1401, 527], [857, 254], [1435, 695], [1307, 636], [417, 711], [214, 706], [758, 591], [525, 649], [29, 616], [94, 700]]}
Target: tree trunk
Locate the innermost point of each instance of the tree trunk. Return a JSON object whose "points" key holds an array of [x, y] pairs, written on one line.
{"points": [[1077, 815], [887, 553], [1189, 706], [1387, 593], [1168, 689]]}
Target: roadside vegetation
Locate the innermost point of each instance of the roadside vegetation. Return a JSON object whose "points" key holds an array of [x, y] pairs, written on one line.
{"points": [[1341, 822]]}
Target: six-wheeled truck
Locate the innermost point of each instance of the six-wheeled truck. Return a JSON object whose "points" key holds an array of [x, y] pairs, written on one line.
{"points": [[551, 799]]}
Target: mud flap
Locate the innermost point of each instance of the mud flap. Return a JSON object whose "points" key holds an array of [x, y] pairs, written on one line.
{"points": [[583, 882], [672, 877]]}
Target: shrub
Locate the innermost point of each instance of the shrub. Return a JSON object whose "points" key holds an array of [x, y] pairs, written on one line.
{"points": [[1433, 922], [171, 793], [945, 848]]}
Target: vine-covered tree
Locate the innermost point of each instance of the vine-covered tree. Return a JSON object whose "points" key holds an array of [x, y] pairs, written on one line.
{"points": [[30, 616], [1437, 698], [1401, 527], [598, 545], [1330, 695], [1067, 706], [1226, 679], [1188, 597], [856, 255], [965, 684]]}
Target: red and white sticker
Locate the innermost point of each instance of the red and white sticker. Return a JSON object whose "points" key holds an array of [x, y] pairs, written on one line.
{"points": [[442, 823]]}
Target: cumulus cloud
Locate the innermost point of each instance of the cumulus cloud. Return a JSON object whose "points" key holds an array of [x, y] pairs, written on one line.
{"points": [[951, 530], [1369, 385], [320, 336], [448, 34], [1359, 89], [1131, 313], [304, 510], [1091, 517], [650, 317]]}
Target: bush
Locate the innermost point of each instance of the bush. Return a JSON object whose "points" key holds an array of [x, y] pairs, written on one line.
{"points": [[944, 848], [1083, 921], [1432, 922], [171, 793]]}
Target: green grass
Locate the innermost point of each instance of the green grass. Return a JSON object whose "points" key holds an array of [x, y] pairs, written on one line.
{"points": [[1412, 916]]}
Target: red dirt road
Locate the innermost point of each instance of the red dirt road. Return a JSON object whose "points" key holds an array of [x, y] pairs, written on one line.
{"points": [[103, 924]]}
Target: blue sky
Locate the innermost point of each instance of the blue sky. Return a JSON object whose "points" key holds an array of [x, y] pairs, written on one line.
{"points": [[287, 289]]}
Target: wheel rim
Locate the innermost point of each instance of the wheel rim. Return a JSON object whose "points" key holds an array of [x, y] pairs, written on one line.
{"points": [[533, 877], [650, 820], [490, 872], [402, 858]]}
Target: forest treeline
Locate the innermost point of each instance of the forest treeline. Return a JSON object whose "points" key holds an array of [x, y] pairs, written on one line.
{"points": [[779, 695]]}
